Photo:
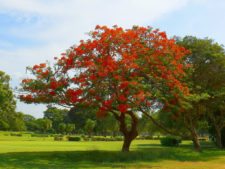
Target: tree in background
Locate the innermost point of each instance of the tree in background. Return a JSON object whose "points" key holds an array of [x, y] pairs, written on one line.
{"points": [[44, 125], [79, 114], [56, 115], [18, 123], [62, 127], [107, 125], [30, 122], [9, 118], [89, 126], [116, 70], [217, 123], [4, 125], [207, 78], [66, 128], [147, 128], [7, 102], [70, 128], [206, 82]]}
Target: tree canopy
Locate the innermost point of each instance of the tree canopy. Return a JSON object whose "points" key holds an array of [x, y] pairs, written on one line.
{"points": [[116, 70]]}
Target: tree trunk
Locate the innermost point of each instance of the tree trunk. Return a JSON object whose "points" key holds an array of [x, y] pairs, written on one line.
{"points": [[190, 125], [129, 135], [126, 144], [218, 138], [195, 140]]}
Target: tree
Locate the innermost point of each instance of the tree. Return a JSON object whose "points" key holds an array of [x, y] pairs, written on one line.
{"points": [[62, 128], [206, 81], [107, 125], [116, 70], [4, 125], [79, 114], [30, 122], [44, 124], [216, 118], [69, 128], [7, 103], [18, 124], [89, 126], [56, 115], [147, 128]]}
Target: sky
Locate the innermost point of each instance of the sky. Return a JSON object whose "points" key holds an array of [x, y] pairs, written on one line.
{"points": [[35, 31]]}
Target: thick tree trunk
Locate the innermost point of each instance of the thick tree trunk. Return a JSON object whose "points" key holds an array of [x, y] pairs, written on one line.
{"points": [[126, 144], [129, 134]]}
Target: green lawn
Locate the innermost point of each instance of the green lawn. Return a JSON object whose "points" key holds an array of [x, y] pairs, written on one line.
{"points": [[46, 153]]}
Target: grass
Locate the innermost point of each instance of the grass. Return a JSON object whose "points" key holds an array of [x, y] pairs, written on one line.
{"points": [[21, 153]]}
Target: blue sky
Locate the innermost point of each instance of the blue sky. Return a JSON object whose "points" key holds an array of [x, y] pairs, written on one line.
{"points": [[33, 31]]}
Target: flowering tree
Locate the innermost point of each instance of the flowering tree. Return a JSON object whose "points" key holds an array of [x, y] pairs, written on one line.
{"points": [[116, 70]]}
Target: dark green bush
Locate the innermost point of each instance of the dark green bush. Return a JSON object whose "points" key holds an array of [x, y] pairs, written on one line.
{"points": [[170, 141], [16, 134], [74, 138]]}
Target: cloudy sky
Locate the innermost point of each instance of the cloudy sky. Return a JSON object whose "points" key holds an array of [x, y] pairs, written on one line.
{"points": [[33, 31]]}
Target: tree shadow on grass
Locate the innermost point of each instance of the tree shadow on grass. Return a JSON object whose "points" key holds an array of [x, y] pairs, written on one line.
{"points": [[104, 159]]}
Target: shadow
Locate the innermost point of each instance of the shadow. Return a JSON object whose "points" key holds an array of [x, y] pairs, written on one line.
{"points": [[105, 159]]}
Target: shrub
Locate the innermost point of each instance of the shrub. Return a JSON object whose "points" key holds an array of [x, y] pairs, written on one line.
{"points": [[118, 138], [170, 141], [39, 135], [16, 134], [74, 138], [59, 138]]}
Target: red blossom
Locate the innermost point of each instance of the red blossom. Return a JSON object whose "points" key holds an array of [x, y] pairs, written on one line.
{"points": [[124, 85], [113, 65], [107, 103], [123, 108], [122, 98]]}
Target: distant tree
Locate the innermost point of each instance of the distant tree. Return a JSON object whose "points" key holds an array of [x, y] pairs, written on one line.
{"points": [[107, 125], [69, 128], [18, 123], [62, 128], [79, 114], [30, 122], [44, 124], [56, 115], [147, 128], [7, 103], [89, 126], [4, 125]]}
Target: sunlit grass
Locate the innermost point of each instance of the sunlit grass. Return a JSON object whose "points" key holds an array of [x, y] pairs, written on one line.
{"points": [[20, 153]]}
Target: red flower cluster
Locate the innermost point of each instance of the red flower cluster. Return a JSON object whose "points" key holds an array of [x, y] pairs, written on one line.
{"points": [[117, 69]]}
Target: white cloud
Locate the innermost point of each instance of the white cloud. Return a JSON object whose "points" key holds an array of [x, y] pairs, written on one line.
{"points": [[60, 20], [59, 24]]}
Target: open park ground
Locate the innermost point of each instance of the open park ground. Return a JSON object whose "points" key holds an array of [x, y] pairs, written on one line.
{"points": [[34, 153]]}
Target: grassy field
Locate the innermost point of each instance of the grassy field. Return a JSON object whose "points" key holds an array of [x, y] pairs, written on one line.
{"points": [[34, 153]]}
